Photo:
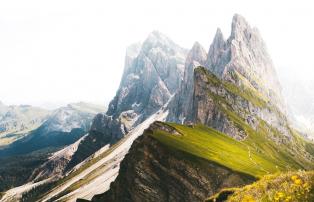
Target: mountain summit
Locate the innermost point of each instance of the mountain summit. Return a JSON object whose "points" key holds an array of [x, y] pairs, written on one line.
{"points": [[226, 126], [152, 74], [245, 53], [230, 130]]}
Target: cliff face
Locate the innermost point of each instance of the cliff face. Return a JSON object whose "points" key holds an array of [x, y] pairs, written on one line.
{"points": [[152, 171], [243, 61], [245, 52], [181, 106], [220, 104], [153, 73]]}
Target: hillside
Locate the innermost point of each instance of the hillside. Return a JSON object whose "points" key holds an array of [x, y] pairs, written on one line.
{"points": [[225, 125], [167, 161], [17, 121], [235, 128], [291, 186], [27, 158], [242, 156]]}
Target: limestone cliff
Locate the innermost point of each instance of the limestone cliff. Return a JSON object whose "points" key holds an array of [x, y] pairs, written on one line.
{"points": [[154, 172]]}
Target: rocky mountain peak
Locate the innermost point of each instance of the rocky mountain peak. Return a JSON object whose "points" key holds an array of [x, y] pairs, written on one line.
{"points": [[180, 107], [239, 25], [197, 53], [150, 77], [133, 50], [219, 37], [218, 54], [245, 54], [153, 73], [157, 37], [158, 42], [196, 57]]}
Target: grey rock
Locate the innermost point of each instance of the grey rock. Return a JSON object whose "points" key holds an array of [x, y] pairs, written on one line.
{"points": [[181, 106], [149, 80], [152, 74], [245, 52], [152, 172]]}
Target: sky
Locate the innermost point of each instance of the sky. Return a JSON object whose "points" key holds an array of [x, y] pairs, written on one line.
{"points": [[57, 52]]}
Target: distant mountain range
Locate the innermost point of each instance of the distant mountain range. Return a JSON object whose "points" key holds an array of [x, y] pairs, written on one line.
{"points": [[184, 125], [31, 134], [62, 126], [17, 121]]}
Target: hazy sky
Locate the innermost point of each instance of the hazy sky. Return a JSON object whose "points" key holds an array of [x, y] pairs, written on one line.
{"points": [[68, 51]]}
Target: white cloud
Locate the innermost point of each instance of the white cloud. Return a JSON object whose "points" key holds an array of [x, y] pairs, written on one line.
{"points": [[66, 51]]}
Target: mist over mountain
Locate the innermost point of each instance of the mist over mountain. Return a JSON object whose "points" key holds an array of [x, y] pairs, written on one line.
{"points": [[300, 98], [34, 143], [184, 125]]}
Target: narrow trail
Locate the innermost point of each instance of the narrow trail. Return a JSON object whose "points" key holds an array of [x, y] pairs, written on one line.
{"points": [[256, 164]]}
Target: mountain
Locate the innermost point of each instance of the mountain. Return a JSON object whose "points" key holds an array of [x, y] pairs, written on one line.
{"points": [[245, 52], [152, 74], [26, 155], [210, 121], [17, 121], [172, 162], [242, 60], [237, 126], [181, 106], [64, 126]]}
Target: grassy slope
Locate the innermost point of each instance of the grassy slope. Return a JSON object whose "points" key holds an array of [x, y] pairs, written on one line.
{"points": [[257, 155], [288, 187], [245, 156]]}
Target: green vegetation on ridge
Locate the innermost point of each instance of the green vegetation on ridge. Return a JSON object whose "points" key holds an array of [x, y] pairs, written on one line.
{"points": [[243, 156], [283, 187]]}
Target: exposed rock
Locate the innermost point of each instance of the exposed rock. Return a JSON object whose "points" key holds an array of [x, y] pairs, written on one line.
{"points": [[152, 172], [151, 78], [213, 100], [246, 53], [163, 127], [56, 164], [152, 74], [181, 106]]}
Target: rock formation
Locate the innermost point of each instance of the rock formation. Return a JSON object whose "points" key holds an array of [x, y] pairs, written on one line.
{"points": [[153, 172], [153, 73]]}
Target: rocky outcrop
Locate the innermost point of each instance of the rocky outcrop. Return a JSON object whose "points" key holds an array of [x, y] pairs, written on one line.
{"points": [[181, 106], [154, 172], [150, 78], [56, 164], [210, 101], [245, 52], [223, 105], [153, 73]]}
